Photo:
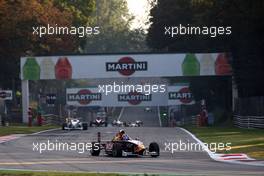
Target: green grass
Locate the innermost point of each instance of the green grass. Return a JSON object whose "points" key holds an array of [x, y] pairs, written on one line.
{"points": [[23, 129], [249, 141], [29, 173]]}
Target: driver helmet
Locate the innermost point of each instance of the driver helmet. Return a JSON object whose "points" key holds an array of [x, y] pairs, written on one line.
{"points": [[122, 131]]}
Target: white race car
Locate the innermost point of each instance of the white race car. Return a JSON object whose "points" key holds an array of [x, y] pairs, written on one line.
{"points": [[137, 123], [118, 123], [148, 109], [74, 124]]}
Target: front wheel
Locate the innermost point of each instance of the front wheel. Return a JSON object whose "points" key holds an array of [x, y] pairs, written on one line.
{"points": [[117, 150], [154, 149], [95, 151], [64, 125]]}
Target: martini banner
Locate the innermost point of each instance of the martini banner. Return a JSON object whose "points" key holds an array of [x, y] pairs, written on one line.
{"points": [[116, 66], [180, 95], [91, 96]]}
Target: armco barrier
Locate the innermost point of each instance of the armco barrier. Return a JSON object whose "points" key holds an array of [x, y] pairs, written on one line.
{"points": [[249, 121]]}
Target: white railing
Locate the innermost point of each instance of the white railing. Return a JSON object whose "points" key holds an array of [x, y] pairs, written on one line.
{"points": [[249, 121]]}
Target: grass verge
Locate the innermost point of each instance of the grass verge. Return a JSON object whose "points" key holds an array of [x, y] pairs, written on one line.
{"points": [[29, 173], [248, 141], [23, 129]]}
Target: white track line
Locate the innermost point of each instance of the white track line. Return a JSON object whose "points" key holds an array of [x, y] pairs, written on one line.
{"points": [[121, 113], [91, 172], [44, 131], [159, 116], [12, 137], [216, 157]]}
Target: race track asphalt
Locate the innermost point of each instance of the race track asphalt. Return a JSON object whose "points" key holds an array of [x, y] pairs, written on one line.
{"points": [[19, 153]]}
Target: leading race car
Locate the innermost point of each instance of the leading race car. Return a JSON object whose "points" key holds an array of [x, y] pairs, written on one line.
{"points": [[148, 109], [123, 148], [137, 123], [119, 123], [74, 124]]}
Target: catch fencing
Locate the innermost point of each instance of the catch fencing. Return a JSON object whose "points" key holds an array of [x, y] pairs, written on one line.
{"points": [[51, 119]]}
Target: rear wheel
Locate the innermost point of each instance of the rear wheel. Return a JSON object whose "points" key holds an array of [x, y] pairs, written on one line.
{"points": [[64, 125], [141, 153], [117, 150], [84, 126], [95, 151], [154, 149]]}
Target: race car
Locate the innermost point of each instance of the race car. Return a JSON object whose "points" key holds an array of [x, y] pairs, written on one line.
{"points": [[74, 124], [137, 123], [124, 148], [148, 109], [98, 122], [119, 123]]}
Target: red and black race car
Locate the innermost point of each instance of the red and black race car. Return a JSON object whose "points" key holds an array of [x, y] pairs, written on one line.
{"points": [[123, 148], [98, 122]]}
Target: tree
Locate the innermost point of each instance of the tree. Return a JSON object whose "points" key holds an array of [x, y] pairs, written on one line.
{"points": [[169, 13], [81, 12], [16, 39], [116, 34], [245, 43]]}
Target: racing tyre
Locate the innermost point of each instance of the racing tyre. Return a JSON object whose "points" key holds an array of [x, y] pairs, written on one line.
{"points": [[154, 147], [95, 151], [141, 153], [84, 126], [117, 150], [64, 125]]}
